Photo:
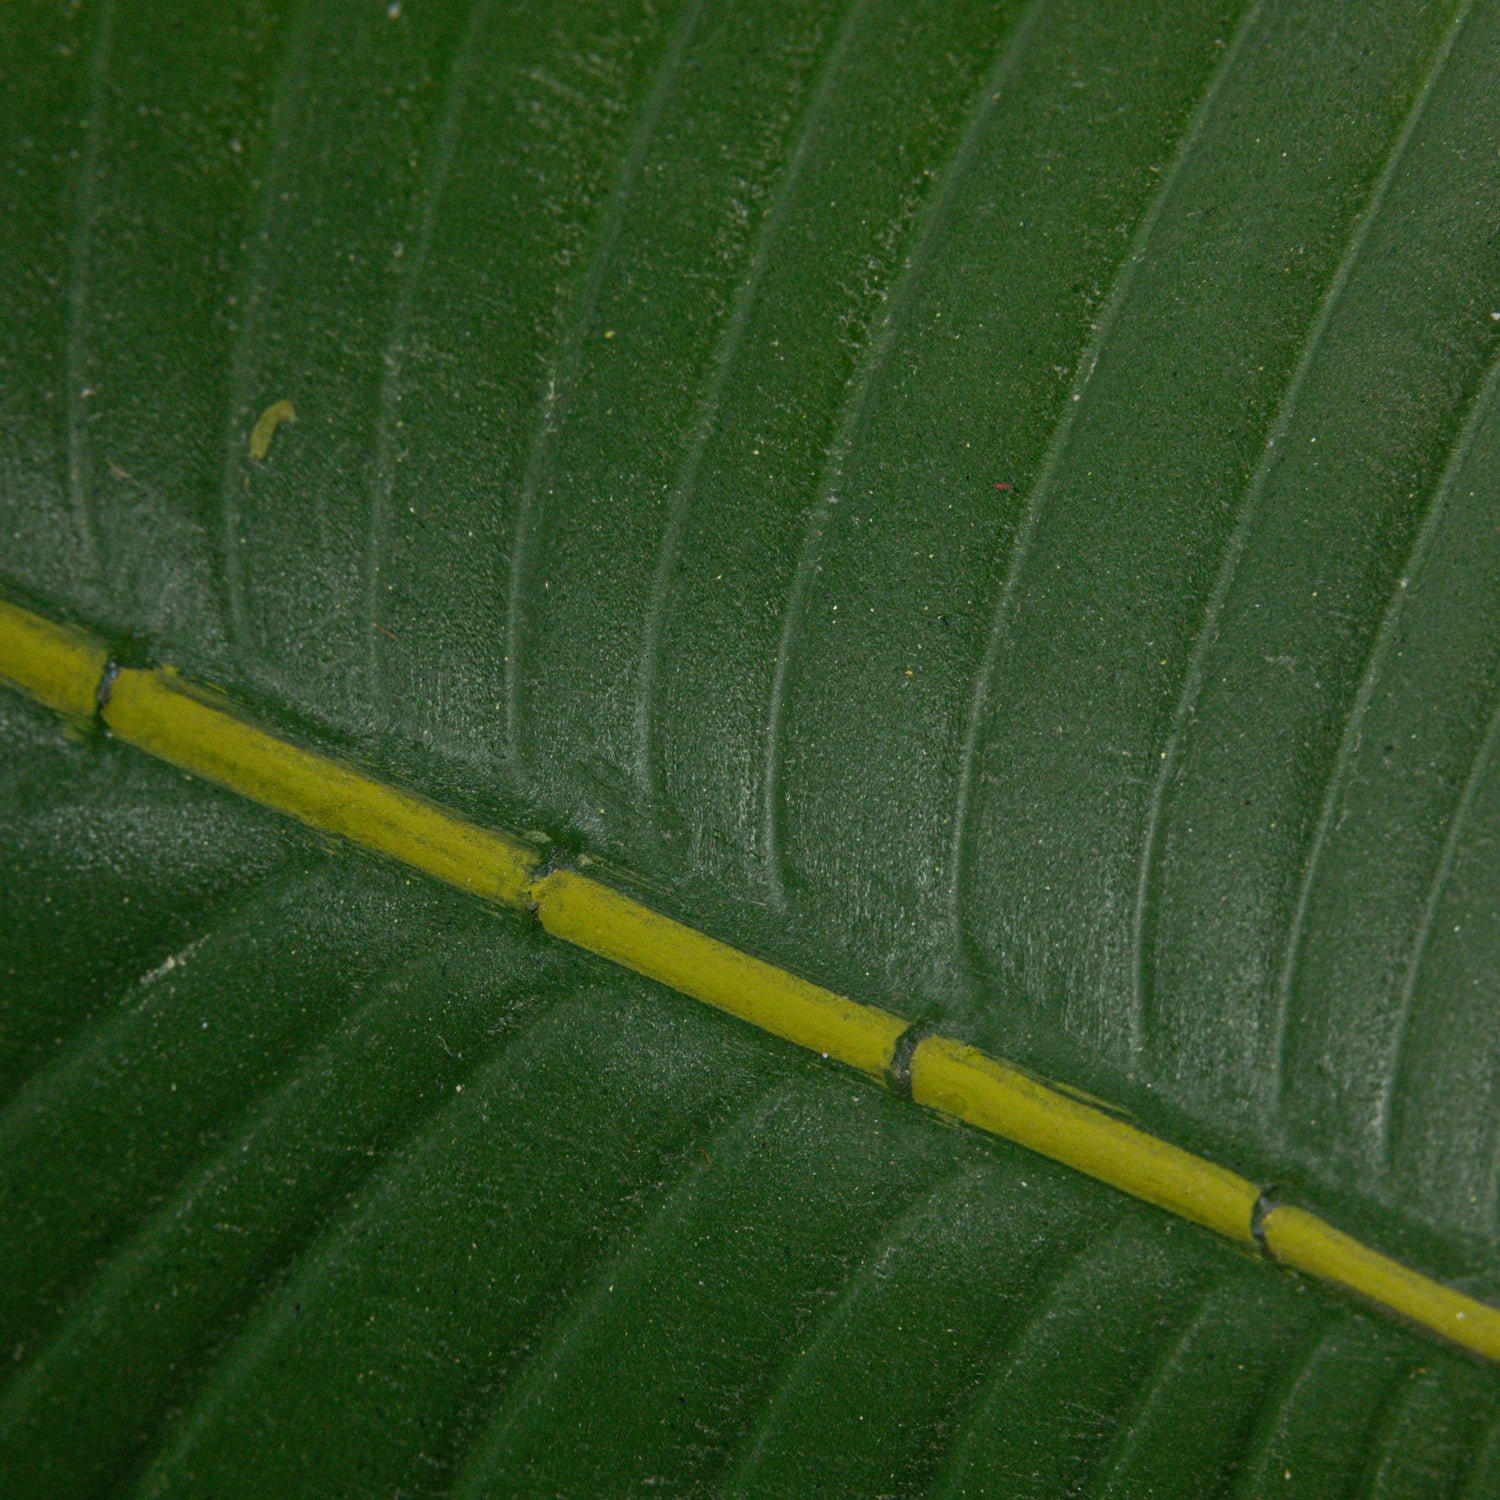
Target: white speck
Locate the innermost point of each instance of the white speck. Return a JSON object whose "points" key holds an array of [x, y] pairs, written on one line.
{"points": [[1495, 316], [393, 10], [169, 963], [458, 1088]]}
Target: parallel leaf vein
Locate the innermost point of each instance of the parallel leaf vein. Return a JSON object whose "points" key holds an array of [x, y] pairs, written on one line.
{"points": [[383, 469], [773, 810], [80, 247], [1074, 1264], [272, 208], [524, 1395], [1057, 449], [837, 1312], [1391, 1090], [1354, 719], [725, 354], [552, 409]]}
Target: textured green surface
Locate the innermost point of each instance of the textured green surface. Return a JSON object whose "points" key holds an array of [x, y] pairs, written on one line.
{"points": [[994, 508]]}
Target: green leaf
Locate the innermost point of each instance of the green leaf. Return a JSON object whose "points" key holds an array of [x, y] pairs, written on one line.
{"points": [[992, 507]]}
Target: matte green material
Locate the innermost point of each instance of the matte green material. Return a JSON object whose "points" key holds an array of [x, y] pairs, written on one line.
{"points": [[992, 507]]}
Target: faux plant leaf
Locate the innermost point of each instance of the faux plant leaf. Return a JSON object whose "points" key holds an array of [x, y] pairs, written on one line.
{"points": [[990, 507]]}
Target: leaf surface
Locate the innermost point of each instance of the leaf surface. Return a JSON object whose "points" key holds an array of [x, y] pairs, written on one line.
{"points": [[992, 507]]}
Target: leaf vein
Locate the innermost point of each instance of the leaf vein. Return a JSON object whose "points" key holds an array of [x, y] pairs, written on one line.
{"points": [[773, 809], [80, 246], [1252, 1469], [1074, 1263], [1248, 510], [272, 208], [1353, 727], [383, 470], [728, 346], [1356, 713], [520, 1398], [552, 409], [1057, 448], [836, 1312], [1391, 1089]]}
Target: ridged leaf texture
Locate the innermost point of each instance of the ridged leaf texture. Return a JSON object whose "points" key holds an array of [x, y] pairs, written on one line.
{"points": [[990, 506]]}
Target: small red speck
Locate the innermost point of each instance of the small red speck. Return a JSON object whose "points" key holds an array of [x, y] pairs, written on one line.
{"points": [[1002, 486]]}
